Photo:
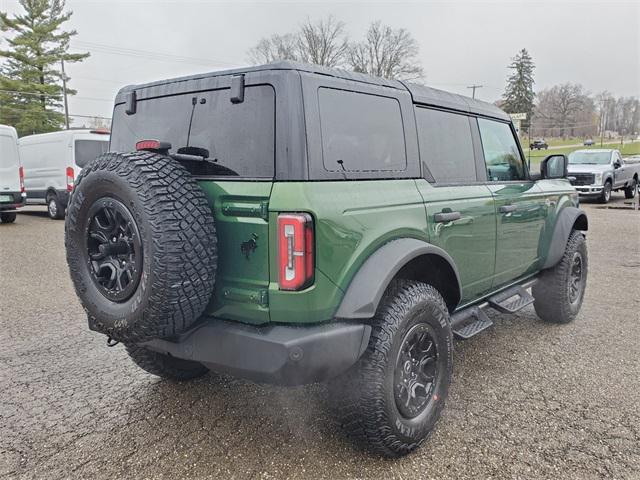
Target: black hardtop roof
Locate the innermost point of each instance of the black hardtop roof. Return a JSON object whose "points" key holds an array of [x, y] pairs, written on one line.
{"points": [[420, 93]]}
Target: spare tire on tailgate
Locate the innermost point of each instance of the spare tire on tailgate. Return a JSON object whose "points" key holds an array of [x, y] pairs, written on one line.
{"points": [[141, 246]]}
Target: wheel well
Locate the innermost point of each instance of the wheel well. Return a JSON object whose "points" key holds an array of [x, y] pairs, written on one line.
{"points": [[51, 192], [435, 271], [581, 223]]}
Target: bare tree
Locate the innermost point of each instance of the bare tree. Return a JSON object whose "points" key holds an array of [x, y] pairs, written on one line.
{"points": [[276, 47], [386, 52], [565, 110], [323, 42]]}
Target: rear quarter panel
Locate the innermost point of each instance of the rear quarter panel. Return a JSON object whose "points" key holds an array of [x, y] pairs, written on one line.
{"points": [[352, 220]]}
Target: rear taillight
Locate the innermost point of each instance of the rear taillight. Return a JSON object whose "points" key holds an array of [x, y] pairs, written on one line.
{"points": [[21, 175], [69, 179], [295, 250]]}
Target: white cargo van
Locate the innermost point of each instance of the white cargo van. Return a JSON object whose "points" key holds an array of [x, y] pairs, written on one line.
{"points": [[52, 161], [12, 195]]}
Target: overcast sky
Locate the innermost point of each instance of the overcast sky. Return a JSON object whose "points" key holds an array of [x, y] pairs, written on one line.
{"points": [[593, 43]]}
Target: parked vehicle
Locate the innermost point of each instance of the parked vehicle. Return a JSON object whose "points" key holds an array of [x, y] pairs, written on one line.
{"points": [[596, 173], [53, 160], [290, 223], [538, 144], [589, 142], [12, 194]]}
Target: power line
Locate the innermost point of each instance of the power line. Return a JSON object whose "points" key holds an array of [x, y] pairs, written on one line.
{"points": [[149, 55], [57, 96], [71, 114]]}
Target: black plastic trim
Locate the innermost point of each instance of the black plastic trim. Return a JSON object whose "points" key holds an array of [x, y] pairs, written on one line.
{"points": [[564, 225], [368, 285], [279, 354]]}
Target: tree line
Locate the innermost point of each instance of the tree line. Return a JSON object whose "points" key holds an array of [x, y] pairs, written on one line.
{"points": [[384, 51], [32, 78], [566, 110]]}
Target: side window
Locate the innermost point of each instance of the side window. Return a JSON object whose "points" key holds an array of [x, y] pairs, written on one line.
{"points": [[361, 132], [617, 158], [446, 147], [501, 152]]}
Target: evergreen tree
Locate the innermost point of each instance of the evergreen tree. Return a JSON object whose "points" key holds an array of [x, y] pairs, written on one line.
{"points": [[31, 75], [518, 95]]}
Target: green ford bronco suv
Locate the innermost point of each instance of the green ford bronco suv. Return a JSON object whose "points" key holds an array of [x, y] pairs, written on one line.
{"points": [[291, 224]]}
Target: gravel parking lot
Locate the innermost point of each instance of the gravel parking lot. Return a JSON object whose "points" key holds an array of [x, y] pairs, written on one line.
{"points": [[528, 400]]}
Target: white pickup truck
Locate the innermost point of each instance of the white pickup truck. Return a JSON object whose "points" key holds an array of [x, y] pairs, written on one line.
{"points": [[596, 173]]}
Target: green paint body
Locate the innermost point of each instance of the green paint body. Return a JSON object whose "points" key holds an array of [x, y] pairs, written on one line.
{"points": [[352, 219]]}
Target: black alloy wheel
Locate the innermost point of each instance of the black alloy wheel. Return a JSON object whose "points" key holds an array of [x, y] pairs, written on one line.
{"points": [[416, 371], [114, 249], [576, 283]]}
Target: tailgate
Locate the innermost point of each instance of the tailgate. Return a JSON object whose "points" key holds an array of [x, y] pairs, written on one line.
{"points": [[242, 280]]}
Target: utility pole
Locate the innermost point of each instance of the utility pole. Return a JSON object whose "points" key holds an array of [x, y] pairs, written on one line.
{"points": [[473, 87], [64, 93]]}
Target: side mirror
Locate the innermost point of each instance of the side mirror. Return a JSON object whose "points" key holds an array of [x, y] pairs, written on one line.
{"points": [[617, 164], [554, 166]]}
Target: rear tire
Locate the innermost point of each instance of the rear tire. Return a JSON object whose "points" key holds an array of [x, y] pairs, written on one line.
{"points": [[55, 209], [8, 217], [605, 196], [559, 291], [165, 366], [392, 398], [630, 191]]}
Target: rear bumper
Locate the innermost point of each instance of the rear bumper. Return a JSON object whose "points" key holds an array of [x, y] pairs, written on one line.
{"points": [[18, 200], [279, 354]]}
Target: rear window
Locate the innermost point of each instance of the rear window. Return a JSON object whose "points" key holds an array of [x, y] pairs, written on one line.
{"points": [[239, 136], [87, 150], [361, 132]]}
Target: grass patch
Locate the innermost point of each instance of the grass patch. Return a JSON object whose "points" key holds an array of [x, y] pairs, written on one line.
{"points": [[536, 156]]}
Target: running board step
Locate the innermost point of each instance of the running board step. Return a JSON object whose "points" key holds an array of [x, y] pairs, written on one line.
{"points": [[511, 300], [470, 322]]}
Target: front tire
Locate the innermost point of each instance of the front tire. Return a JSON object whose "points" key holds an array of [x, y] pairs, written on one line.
{"points": [[605, 196], [8, 217], [392, 398], [630, 191], [165, 366], [559, 291]]}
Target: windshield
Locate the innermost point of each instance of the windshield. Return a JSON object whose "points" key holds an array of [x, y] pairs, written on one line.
{"points": [[590, 158], [87, 150]]}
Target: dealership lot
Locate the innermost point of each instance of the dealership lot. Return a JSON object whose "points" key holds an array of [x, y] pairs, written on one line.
{"points": [[528, 400]]}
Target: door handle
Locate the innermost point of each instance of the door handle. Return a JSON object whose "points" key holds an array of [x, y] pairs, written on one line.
{"points": [[508, 208], [446, 217]]}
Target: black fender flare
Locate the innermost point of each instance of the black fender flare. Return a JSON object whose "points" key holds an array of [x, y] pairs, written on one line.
{"points": [[372, 279], [567, 218]]}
